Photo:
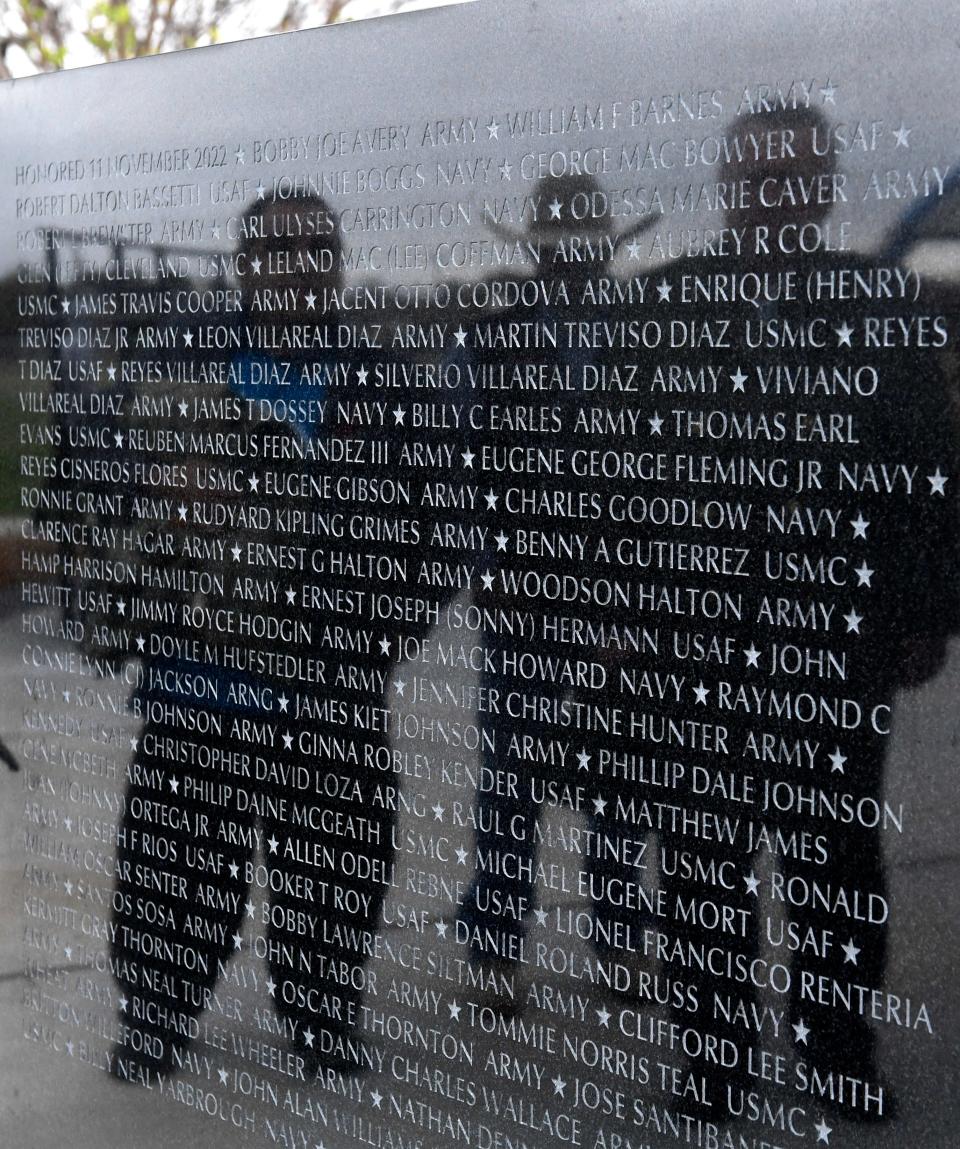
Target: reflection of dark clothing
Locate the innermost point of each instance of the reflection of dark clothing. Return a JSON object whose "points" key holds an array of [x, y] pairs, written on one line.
{"points": [[888, 629], [615, 872], [196, 861], [567, 503], [903, 607], [328, 875]]}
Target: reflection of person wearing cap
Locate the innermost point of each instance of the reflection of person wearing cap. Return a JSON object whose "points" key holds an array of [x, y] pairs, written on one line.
{"points": [[490, 922], [573, 218], [324, 909], [892, 606]]}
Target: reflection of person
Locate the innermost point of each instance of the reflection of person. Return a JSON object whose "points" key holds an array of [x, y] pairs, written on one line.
{"points": [[493, 920], [850, 595], [244, 744]]}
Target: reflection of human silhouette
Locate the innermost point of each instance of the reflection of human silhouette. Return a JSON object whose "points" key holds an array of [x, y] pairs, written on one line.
{"points": [[832, 454], [574, 224], [262, 729]]}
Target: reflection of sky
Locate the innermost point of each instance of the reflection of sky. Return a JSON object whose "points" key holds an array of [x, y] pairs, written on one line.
{"points": [[434, 64]]}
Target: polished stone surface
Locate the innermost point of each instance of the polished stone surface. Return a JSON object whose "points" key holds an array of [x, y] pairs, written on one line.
{"points": [[480, 585]]}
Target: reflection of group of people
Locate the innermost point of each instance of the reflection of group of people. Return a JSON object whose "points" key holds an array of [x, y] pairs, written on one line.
{"points": [[899, 598]]}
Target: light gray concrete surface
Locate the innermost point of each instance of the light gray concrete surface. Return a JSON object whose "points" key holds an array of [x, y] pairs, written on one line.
{"points": [[49, 1099]]}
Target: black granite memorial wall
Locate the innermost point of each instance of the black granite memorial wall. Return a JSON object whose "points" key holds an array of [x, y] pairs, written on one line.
{"points": [[481, 585]]}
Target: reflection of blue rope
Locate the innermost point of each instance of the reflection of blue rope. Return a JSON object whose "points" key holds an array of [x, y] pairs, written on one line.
{"points": [[903, 232], [242, 386], [220, 678]]}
